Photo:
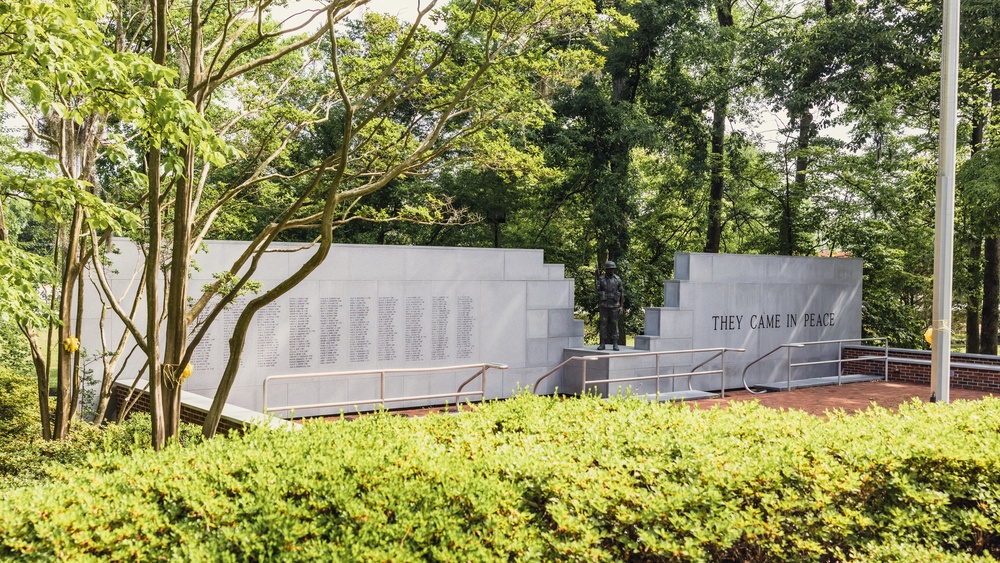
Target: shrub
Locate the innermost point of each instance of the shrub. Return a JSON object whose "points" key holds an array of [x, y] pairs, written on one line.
{"points": [[27, 459], [541, 479], [14, 353], [18, 405]]}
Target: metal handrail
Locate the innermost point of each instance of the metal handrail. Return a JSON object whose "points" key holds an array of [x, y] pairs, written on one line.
{"points": [[746, 367], [718, 352], [482, 369], [563, 364], [695, 368], [840, 361], [481, 373]]}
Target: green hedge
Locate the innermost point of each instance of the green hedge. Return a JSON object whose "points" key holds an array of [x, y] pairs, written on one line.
{"points": [[27, 459], [18, 405], [539, 479]]}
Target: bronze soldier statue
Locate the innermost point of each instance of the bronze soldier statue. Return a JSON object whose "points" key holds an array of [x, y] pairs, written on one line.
{"points": [[610, 300]]}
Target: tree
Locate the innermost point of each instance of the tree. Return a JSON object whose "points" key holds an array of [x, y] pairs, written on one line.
{"points": [[404, 100], [64, 83]]}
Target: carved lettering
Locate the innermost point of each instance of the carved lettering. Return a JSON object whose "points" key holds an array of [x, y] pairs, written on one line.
{"points": [[765, 321], [727, 322]]}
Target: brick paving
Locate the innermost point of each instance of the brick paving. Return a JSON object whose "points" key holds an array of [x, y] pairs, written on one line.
{"points": [[814, 400], [849, 397]]}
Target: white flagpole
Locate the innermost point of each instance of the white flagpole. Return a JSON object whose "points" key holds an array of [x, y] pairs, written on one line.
{"points": [[944, 210]]}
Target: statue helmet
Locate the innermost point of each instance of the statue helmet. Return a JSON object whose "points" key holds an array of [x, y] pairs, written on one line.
{"points": [[609, 265]]}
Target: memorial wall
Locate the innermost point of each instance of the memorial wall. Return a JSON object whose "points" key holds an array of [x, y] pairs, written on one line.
{"points": [[757, 303], [369, 307]]}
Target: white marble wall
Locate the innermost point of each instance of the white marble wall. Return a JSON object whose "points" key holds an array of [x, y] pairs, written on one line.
{"points": [[369, 307], [757, 303]]}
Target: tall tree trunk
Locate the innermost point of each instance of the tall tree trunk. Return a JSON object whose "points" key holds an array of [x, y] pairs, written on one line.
{"points": [[991, 297], [974, 266], [717, 161], [972, 306], [77, 330], [787, 245], [717, 186], [42, 377], [991, 274], [156, 406], [175, 339], [66, 355]]}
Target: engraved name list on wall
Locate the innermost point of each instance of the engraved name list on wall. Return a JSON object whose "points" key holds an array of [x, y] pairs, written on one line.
{"points": [[388, 310], [376, 330], [331, 317]]}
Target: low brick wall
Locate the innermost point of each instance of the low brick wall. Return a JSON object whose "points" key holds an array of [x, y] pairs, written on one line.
{"points": [[968, 371]]}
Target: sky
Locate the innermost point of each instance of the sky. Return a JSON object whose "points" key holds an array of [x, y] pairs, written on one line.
{"points": [[404, 9]]}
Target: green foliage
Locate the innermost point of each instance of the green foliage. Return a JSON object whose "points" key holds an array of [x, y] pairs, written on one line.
{"points": [[24, 274], [978, 180], [26, 460], [14, 353], [18, 405], [541, 479]]}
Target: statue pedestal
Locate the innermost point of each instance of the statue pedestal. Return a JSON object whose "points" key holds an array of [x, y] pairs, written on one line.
{"points": [[613, 365]]}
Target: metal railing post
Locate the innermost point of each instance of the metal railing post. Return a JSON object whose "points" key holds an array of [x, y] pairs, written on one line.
{"points": [[788, 377], [840, 360], [657, 377], [886, 360], [265, 394], [722, 360], [840, 364], [381, 392], [480, 371], [657, 372]]}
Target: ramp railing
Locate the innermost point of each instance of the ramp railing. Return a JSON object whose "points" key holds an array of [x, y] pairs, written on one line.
{"points": [[840, 361], [481, 370], [657, 376]]}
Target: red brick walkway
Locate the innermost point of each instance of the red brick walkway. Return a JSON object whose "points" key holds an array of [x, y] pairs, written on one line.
{"points": [[815, 400], [850, 397]]}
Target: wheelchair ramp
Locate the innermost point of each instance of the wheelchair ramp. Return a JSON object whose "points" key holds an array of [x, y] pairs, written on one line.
{"points": [[684, 396], [816, 382]]}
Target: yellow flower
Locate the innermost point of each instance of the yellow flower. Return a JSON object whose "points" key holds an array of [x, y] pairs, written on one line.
{"points": [[188, 370], [71, 344]]}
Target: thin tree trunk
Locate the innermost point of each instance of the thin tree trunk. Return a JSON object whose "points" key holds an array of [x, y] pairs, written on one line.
{"points": [[787, 244], [156, 406], [972, 307], [991, 275], [974, 267], [77, 330], [42, 376], [717, 186], [238, 339], [175, 341], [4, 235], [64, 370], [991, 297], [37, 359]]}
